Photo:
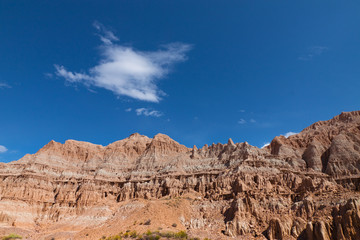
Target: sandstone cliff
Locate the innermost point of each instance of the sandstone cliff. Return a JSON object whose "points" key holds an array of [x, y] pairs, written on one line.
{"points": [[305, 186]]}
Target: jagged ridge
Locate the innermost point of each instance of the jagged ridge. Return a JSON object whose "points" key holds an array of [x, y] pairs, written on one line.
{"points": [[303, 186]]}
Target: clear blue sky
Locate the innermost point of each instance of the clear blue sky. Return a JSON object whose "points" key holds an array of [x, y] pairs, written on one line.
{"points": [[198, 71]]}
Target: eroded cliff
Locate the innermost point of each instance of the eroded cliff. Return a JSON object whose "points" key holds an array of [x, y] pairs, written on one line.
{"points": [[305, 186]]}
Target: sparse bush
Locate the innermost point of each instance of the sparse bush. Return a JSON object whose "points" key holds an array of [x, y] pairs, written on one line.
{"points": [[149, 235], [116, 237], [133, 234], [181, 234], [11, 236], [148, 222], [167, 234], [152, 238], [174, 225]]}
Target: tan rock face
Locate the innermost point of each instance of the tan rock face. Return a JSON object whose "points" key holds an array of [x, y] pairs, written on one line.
{"points": [[331, 146], [305, 186]]}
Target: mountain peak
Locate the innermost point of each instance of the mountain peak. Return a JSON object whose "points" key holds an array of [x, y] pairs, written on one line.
{"points": [[162, 137], [163, 144], [319, 166], [135, 135]]}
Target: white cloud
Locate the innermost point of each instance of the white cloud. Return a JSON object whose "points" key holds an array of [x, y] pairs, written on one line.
{"points": [[48, 75], [4, 85], [126, 71], [148, 112], [71, 77], [3, 149], [318, 50], [106, 36], [128, 110], [288, 134], [313, 52], [242, 121], [265, 145]]}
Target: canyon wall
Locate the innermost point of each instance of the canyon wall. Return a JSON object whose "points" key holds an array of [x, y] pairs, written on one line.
{"points": [[305, 186]]}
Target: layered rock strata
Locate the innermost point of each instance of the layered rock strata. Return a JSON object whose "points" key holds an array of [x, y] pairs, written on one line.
{"points": [[305, 186]]}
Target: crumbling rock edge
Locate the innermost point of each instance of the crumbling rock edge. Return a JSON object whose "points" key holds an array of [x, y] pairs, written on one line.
{"points": [[305, 186]]}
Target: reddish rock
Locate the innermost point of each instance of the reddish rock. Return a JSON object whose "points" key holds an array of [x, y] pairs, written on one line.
{"points": [[305, 186]]}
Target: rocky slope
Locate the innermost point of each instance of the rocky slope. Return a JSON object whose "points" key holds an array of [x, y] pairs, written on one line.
{"points": [[305, 186]]}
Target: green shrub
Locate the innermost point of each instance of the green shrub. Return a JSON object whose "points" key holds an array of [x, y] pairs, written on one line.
{"points": [[167, 234], [181, 234], [11, 237], [116, 237], [133, 234], [153, 238], [148, 235]]}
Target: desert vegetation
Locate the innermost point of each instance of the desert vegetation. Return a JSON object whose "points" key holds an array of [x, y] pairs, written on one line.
{"points": [[149, 235], [11, 236]]}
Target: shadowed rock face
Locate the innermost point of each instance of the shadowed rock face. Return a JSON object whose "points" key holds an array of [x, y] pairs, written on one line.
{"points": [[332, 146], [305, 186]]}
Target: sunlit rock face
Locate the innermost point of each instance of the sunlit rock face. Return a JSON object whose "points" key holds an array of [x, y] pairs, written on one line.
{"points": [[305, 186]]}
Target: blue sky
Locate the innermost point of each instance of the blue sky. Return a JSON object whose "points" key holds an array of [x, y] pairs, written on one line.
{"points": [[198, 71]]}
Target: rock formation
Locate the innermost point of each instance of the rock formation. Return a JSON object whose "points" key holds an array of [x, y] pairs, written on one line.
{"points": [[305, 186]]}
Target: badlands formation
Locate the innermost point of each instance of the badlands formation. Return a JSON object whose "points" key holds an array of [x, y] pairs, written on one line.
{"points": [[305, 186]]}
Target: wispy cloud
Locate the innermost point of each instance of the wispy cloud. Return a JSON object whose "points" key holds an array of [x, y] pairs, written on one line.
{"points": [[126, 71], [288, 134], [4, 85], [242, 121], [313, 52], [3, 149], [106, 36], [265, 145], [148, 112], [128, 110]]}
